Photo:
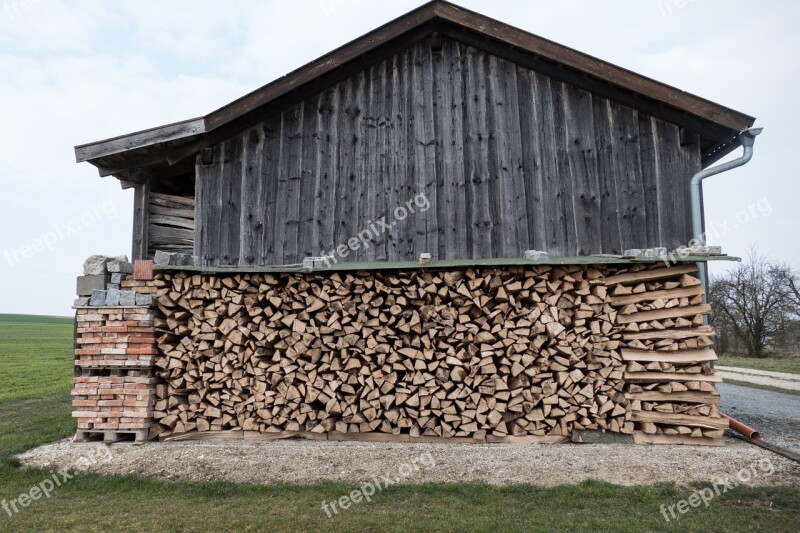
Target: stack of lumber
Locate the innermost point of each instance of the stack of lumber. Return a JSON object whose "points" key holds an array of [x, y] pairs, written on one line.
{"points": [[666, 348], [170, 223], [114, 389], [492, 354]]}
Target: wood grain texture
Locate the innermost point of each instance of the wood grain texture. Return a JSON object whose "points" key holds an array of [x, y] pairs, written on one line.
{"points": [[507, 158]]}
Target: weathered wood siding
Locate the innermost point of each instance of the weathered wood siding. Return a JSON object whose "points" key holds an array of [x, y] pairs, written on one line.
{"points": [[507, 158]]}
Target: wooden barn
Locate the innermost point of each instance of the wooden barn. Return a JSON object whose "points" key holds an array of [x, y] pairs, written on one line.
{"points": [[447, 133]]}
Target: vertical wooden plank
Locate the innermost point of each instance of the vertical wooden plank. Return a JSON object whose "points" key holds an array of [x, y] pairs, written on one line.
{"points": [[231, 188], [270, 166], [674, 203], [476, 154], [200, 200], [329, 143], [628, 176], [141, 219], [582, 160], [531, 134], [378, 105], [347, 138], [213, 190], [309, 179], [407, 171], [513, 169], [604, 142], [428, 202], [501, 183], [291, 163], [396, 140], [563, 186], [649, 152], [692, 164], [252, 214], [458, 220], [549, 148], [357, 189]]}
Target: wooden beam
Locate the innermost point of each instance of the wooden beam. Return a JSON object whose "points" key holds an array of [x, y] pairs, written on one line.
{"points": [[661, 314], [686, 396], [681, 333], [140, 139], [681, 356], [683, 292], [677, 419], [649, 275], [657, 377], [639, 437], [141, 215]]}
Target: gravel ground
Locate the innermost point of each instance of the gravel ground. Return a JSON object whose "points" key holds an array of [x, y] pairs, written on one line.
{"points": [[773, 414], [295, 461]]}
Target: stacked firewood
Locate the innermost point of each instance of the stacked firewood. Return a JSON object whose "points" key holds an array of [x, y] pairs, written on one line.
{"points": [[495, 354], [666, 348]]}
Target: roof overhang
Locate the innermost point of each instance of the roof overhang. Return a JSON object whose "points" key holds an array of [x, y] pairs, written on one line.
{"points": [[167, 146]]}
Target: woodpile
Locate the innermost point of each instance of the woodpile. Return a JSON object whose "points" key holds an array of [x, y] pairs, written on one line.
{"points": [[507, 354], [170, 223], [666, 347]]}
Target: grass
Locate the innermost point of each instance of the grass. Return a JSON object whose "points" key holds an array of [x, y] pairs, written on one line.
{"points": [[37, 411], [35, 356], [789, 364]]}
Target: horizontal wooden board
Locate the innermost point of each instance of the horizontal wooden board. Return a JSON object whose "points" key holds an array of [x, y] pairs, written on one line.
{"points": [[677, 419], [685, 396], [683, 292], [657, 377], [649, 275], [680, 333], [643, 438], [661, 314], [681, 356], [527, 439]]}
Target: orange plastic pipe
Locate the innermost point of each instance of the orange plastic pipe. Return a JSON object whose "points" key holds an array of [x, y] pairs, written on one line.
{"points": [[738, 427]]}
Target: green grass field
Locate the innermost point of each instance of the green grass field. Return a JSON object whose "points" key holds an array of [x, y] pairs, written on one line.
{"points": [[784, 363], [35, 370]]}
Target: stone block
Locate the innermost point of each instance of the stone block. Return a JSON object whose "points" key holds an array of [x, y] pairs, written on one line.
{"points": [[80, 302], [95, 265], [144, 300], [119, 266], [98, 298], [112, 297], [127, 298], [86, 284], [117, 277]]}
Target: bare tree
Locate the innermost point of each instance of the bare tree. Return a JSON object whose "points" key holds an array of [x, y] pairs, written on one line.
{"points": [[754, 300]]}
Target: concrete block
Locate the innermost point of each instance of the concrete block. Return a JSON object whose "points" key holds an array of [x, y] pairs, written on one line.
{"points": [[95, 265], [112, 297], [80, 302], [127, 298], [116, 277], [144, 299], [655, 253], [118, 266], [633, 252], [98, 298], [86, 284]]}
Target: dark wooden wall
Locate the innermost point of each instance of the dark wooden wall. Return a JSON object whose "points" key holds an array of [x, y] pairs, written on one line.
{"points": [[508, 159]]}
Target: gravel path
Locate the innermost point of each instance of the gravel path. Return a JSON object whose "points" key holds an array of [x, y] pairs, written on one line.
{"points": [[774, 414], [304, 462], [780, 380]]}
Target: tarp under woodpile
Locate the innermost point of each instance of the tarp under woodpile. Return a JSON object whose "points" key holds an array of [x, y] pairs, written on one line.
{"points": [[485, 354]]}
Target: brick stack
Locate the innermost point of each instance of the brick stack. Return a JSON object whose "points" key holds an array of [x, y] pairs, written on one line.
{"points": [[115, 349]]}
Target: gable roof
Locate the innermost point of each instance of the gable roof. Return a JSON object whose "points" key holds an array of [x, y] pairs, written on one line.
{"points": [[169, 145]]}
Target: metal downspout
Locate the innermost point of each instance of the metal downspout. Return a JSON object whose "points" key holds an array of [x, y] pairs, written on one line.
{"points": [[747, 138]]}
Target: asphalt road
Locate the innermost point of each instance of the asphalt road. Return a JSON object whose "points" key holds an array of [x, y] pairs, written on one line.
{"points": [[773, 414]]}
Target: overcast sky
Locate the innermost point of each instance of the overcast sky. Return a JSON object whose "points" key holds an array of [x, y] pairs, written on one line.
{"points": [[74, 72]]}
